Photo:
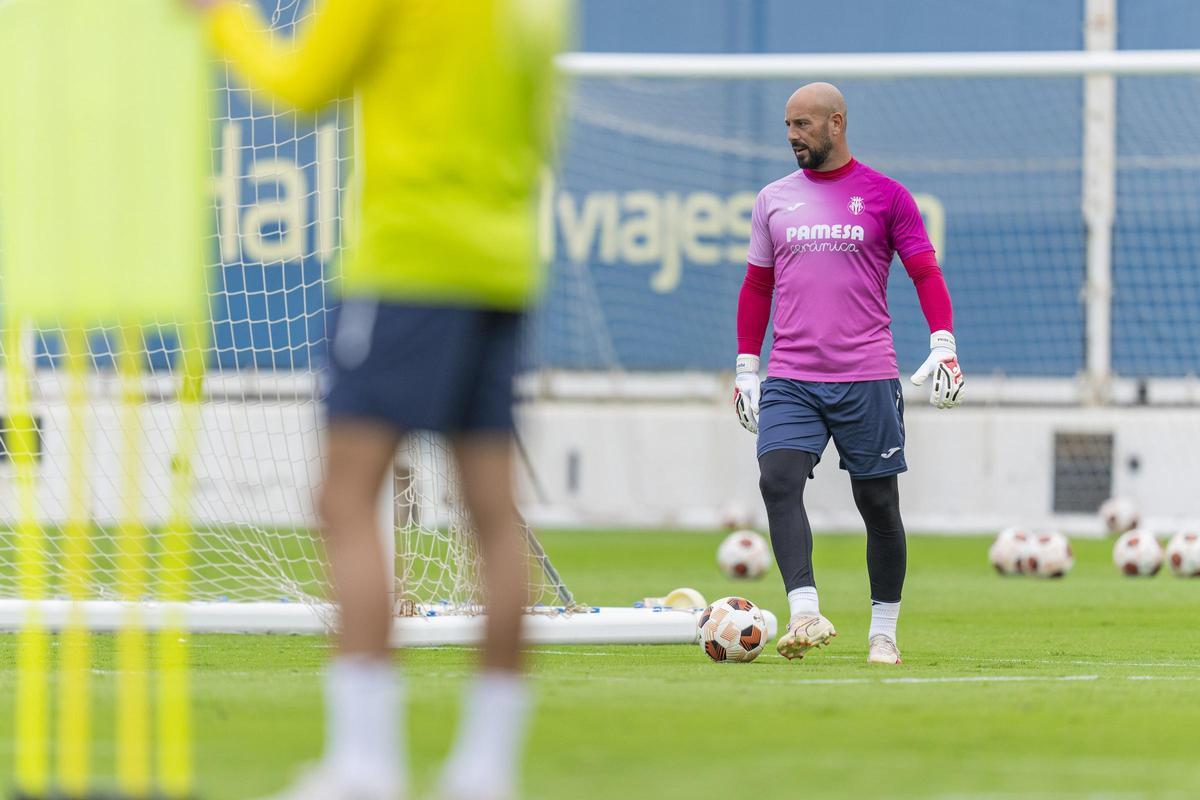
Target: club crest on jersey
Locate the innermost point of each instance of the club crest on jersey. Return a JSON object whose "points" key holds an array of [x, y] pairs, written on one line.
{"points": [[856, 205]]}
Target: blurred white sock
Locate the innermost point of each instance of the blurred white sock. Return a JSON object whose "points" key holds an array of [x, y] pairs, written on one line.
{"points": [[884, 617], [491, 734], [362, 710], [804, 601]]}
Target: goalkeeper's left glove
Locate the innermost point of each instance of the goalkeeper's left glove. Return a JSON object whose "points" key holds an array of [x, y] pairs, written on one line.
{"points": [[948, 379], [746, 392]]}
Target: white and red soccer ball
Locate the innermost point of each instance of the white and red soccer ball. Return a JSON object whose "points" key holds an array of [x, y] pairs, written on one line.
{"points": [[1050, 556], [744, 554], [1119, 515], [1008, 552], [1138, 552], [1018, 551], [1183, 554], [732, 629]]}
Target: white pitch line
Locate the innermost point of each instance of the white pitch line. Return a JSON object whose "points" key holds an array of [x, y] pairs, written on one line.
{"points": [[530, 650], [945, 679], [982, 679], [864, 681], [1073, 662], [1091, 663], [948, 679], [840, 657], [1024, 795], [993, 679], [289, 672]]}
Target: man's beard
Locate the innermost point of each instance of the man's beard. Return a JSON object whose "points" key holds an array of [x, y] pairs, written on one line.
{"points": [[814, 157]]}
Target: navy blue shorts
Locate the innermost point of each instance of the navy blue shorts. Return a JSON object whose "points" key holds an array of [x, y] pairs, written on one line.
{"points": [[422, 367], [865, 419]]}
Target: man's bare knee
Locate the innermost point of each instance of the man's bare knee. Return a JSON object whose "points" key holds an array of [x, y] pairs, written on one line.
{"points": [[344, 502], [360, 454], [485, 465]]}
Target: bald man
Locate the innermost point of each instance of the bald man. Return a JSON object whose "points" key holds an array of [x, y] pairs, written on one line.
{"points": [[822, 242]]}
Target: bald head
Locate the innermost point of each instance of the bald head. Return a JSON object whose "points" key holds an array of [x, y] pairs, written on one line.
{"points": [[816, 121], [817, 98]]}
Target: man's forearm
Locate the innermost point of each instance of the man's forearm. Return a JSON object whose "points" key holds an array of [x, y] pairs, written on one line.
{"points": [[754, 308], [932, 292]]}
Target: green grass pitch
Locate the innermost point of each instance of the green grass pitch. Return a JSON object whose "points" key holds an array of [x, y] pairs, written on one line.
{"points": [[1011, 687]]}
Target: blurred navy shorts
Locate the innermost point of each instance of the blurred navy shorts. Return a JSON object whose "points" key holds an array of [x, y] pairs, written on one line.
{"points": [[422, 367]]}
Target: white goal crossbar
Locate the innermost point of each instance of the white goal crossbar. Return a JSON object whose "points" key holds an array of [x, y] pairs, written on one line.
{"points": [[736, 66]]}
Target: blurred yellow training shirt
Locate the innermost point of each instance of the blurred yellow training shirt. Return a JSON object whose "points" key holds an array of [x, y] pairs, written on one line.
{"points": [[454, 110]]}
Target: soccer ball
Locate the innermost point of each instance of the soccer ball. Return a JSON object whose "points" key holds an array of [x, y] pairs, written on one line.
{"points": [[732, 629], [1183, 554], [1050, 556], [1006, 553], [1138, 553], [744, 554], [1119, 515]]}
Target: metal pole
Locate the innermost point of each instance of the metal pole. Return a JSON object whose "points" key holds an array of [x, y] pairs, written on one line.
{"points": [[535, 547], [1099, 199]]}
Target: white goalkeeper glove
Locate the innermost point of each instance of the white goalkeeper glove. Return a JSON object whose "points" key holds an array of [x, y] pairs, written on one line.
{"points": [[942, 363], [746, 392]]}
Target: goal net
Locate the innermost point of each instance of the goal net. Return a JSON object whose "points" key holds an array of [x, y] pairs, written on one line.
{"points": [[651, 213], [278, 209], [647, 220], [256, 466]]}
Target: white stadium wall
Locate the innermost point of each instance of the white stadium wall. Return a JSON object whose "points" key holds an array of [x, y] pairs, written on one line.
{"points": [[668, 464], [970, 469]]}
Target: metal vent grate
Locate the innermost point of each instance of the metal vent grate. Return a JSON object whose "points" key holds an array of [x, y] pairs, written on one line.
{"points": [[1083, 470]]}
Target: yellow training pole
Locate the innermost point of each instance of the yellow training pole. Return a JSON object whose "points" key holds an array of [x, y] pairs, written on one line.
{"points": [[133, 700], [32, 713], [66, 67], [174, 710], [74, 708]]}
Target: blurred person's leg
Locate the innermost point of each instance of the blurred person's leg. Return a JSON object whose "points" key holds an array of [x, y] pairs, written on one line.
{"points": [[484, 759], [370, 401], [485, 466], [360, 454], [362, 709]]}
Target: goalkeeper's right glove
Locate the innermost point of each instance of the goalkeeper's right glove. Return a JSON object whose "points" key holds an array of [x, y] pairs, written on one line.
{"points": [[746, 392], [942, 363]]}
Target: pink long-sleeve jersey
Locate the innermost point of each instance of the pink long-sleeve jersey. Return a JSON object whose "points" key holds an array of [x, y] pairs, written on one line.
{"points": [[829, 238]]}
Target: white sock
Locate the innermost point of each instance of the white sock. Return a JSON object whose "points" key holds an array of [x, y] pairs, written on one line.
{"points": [[491, 733], [804, 601], [883, 619], [362, 736]]}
